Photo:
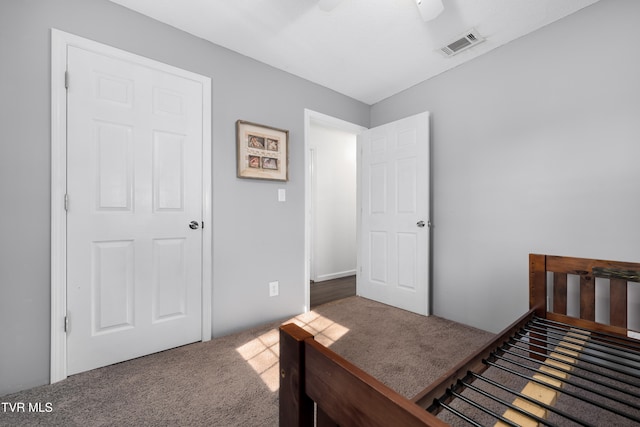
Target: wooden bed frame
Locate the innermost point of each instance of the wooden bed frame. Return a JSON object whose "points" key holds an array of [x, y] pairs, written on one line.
{"points": [[318, 387]]}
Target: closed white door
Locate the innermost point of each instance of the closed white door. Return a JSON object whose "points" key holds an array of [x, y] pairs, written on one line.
{"points": [[395, 214], [134, 185]]}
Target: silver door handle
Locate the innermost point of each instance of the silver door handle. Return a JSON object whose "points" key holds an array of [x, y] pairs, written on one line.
{"points": [[420, 224], [194, 225]]}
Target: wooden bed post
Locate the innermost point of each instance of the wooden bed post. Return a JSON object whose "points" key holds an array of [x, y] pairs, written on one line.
{"points": [[538, 284], [537, 296], [298, 412]]}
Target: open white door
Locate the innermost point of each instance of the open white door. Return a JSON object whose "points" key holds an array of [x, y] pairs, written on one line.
{"points": [[394, 234]]}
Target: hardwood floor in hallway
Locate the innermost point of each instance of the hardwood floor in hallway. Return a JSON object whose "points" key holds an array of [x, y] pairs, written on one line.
{"points": [[331, 290]]}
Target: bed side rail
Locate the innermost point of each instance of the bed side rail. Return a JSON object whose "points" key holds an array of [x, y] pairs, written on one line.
{"points": [[472, 363], [549, 290], [345, 394]]}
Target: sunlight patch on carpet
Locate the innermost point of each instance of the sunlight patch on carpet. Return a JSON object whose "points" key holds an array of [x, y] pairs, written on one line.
{"points": [[262, 355], [263, 352], [325, 330]]}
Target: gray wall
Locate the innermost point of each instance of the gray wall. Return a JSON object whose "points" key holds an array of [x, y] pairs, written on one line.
{"points": [[535, 149], [256, 238]]}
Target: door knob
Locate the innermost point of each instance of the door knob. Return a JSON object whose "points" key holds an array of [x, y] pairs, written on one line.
{"points": [[420, 224], [194, 225]]}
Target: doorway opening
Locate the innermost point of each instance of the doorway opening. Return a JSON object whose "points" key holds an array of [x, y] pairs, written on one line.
{"points": [[331, 206]]}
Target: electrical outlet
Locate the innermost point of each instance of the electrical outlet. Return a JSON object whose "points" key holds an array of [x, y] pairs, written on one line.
{"points": [[274, 288]]}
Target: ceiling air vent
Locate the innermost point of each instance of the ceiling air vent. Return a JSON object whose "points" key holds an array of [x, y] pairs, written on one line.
{"points": [[465, 41]]}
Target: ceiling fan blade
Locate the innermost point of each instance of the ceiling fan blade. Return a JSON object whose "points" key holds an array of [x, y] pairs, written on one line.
{"points": [[328, 5]]}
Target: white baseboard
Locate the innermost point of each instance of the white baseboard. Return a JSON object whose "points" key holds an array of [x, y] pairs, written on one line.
{"points": [[338, 275]]}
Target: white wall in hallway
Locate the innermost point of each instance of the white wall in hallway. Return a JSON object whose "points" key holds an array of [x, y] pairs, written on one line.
{"points": [[333, 186]]}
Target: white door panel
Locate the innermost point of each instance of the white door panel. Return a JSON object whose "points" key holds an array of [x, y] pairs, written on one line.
{"points": [[395, 198], [134, 180]]}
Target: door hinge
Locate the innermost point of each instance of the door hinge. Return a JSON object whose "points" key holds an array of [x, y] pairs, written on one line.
{"points": [[66, 202], [202, 224], [66, 323], [66, 80]]}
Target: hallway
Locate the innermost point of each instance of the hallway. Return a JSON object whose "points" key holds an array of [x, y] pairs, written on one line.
{"points": [[331, 290]]}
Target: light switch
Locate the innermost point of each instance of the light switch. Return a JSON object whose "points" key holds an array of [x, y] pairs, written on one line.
{"points": [[274, 288], [282, 195]]}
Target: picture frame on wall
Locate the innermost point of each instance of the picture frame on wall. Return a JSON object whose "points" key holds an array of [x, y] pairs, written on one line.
{"points": [[262, 151]]}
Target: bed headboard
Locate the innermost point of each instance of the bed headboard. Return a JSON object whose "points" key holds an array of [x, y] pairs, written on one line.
{"points": [[550, 294]]}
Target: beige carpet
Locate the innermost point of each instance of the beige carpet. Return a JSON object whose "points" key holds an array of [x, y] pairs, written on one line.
{"points": [[233, 380]]}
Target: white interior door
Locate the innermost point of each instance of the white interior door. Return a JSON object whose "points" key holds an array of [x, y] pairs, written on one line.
{"points": [[394, 236], [134, 184]]}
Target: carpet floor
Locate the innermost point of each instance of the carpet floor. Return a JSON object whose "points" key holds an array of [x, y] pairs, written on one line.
{"points": [[233, 380]]}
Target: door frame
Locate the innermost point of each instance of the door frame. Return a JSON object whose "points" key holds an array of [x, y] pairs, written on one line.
{"points": [[60, 41], [310, 115]]}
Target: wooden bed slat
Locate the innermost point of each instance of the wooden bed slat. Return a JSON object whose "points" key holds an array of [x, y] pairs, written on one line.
{"points": [[618, 302], [560, 293], [587, 297]]}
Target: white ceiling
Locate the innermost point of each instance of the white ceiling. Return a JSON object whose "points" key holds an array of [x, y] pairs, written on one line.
{"points": [[365, 49]]}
